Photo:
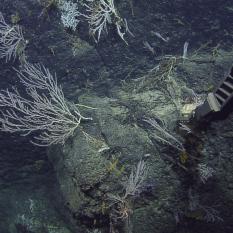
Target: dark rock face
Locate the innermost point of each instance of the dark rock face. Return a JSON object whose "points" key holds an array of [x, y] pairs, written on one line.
{"points": [[122, 86], [87, 176], [176, 198]]}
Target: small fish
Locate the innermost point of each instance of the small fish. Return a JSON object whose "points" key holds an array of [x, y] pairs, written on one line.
{"points": [[185, 50], [148, 47], [160, 36]]}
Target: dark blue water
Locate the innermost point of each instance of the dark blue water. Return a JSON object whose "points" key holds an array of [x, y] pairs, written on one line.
{"points": [[136, 74]]}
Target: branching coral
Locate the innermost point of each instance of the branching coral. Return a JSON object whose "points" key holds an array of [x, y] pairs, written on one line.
{"points": [[101, 13], [45, 108], [70, 14], [122, 207], [12, 42]]}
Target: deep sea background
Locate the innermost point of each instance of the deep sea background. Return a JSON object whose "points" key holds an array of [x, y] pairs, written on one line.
{"points": [[63, 189]]}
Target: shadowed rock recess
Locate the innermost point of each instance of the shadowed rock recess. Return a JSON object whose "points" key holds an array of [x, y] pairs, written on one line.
{"points": [[81, 187]]}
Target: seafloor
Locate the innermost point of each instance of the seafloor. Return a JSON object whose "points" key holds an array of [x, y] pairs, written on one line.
{"points": [[68, 189]]}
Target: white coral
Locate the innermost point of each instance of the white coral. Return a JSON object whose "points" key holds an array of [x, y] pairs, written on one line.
{"points": [[69, 14], [205, 172], [44, 108], [12, 42], [136, 179], [101, 13]]}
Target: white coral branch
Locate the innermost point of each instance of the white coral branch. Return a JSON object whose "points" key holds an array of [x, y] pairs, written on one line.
{"points": [[136, 179], [45, 108], [12, 41], [101, 13]]}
